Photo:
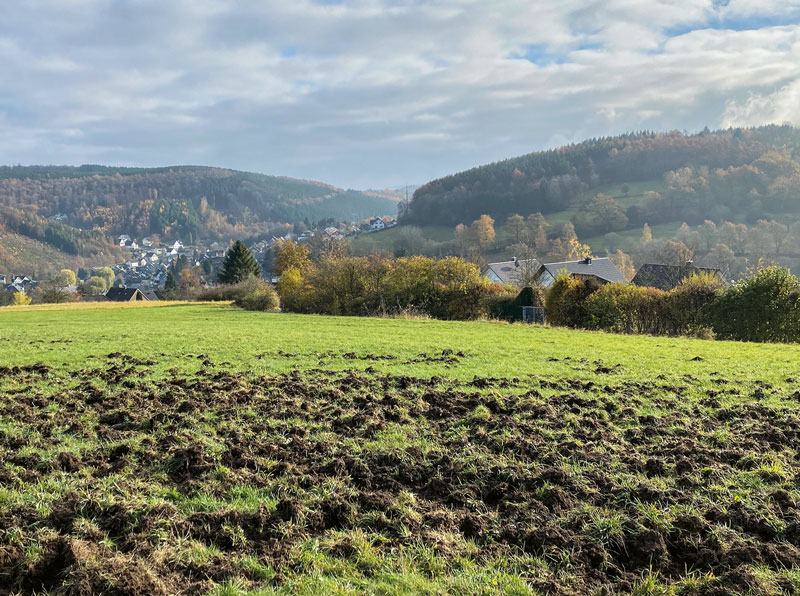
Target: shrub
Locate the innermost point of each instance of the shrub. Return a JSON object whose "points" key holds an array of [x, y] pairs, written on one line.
{"points": [[262, 298], [685, 305], [764, 307], [250, 294], [566, 301], [624, 308], [21, 299]]}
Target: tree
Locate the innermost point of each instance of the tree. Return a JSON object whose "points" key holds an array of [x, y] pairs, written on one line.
{"points": [[734, 236], [647, 234], [54, 292], [169, 284], [484, 231], [624, 263], [722, 258], [95, 286], [777, 231], [689, 237], [107, 274], [290, 255], [239, 264], [568, 232], [516, 227], [66, 278]]}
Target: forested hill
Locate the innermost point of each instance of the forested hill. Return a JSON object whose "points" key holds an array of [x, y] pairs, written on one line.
{"points": [[178, 202], [737, 174]]}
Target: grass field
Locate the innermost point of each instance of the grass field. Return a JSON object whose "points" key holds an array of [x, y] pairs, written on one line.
{"points": [[202, 449]]}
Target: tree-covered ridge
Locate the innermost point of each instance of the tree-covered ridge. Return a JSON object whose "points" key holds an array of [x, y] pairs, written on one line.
{"points": [[548, 181], [201, 201]]}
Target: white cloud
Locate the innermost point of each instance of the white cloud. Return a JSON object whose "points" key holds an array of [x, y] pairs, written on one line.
{"points": [[372, 92], [780, 107]]}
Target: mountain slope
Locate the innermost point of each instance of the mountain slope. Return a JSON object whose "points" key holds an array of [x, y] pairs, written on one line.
{"points": [[186, 200], [738, 174]]}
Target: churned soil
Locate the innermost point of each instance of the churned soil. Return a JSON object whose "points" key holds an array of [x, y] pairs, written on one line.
{"points": [[109, 473]]}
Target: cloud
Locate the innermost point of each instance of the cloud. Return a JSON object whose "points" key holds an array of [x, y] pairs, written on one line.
{"points": [[782, 106], [365, 93]]}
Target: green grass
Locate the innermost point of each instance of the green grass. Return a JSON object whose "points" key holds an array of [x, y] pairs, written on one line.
{"points": [[203, 449], [77, 336]]}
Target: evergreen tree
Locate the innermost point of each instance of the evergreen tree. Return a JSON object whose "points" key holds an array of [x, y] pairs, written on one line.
{"points": [[239, 264], [169, 284]]}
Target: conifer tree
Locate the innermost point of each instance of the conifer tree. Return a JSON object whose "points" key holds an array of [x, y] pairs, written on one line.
{"points": [[239, 264]]}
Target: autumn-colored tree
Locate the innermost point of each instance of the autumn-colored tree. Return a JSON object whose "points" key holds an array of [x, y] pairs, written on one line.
{"points": [[290, 255], [484, 231], [66, 278], [624, 263]]}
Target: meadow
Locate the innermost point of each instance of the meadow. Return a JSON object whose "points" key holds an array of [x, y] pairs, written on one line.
{"points": [[202, 449]]}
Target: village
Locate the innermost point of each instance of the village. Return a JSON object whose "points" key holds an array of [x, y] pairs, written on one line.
{"points": [[148, 267]]}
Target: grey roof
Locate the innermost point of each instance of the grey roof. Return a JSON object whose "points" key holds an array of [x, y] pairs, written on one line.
{"points": [[508, 272], [602, 268]]}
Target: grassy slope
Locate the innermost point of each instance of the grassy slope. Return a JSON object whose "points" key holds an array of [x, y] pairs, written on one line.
{"points": [[579, 488]]}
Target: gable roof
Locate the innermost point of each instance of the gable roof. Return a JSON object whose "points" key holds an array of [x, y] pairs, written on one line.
{"points": [[666, 277], [124, 294], [508, 271], [602, 268]]}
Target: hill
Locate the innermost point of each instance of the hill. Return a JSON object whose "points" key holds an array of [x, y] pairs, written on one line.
{"points": [[24, 255], [79, 210], [740, 175], [257, 455]]}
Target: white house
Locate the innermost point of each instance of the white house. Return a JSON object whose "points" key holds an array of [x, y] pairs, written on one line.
{"points": [[377, 224]]}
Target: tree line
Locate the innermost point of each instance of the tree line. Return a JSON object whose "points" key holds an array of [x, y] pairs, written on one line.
{"points": [[741, 160]]}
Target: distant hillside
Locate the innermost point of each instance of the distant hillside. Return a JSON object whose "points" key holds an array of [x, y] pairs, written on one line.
{"points": [[22, 255], [93, 204], [737, 174]]}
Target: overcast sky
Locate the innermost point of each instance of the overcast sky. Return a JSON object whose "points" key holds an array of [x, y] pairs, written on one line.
{"points": [[379, 93]]}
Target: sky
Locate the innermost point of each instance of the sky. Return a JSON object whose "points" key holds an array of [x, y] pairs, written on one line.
{"points": [[379, 93]]}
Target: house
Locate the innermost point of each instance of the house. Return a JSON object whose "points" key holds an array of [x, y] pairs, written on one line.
{"points": [[2, 278], [124, 239], [124, 295], [147, 242], [515, 272], [377, 223], [601, 270], [666, 277]]}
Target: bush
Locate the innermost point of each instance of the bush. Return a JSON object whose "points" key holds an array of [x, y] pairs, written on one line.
{"points": [[263, 298], [250, 294], [685, 305], [21, 299], [623, 308], [764, 307], [566, 301]]}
